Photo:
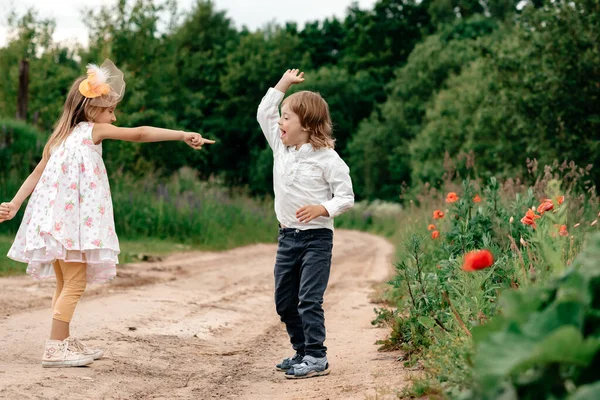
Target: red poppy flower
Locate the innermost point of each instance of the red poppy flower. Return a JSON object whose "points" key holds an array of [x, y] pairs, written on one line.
{"points": [[560, 199], [431, 227], [529, 218], [476, 199], [546, 205], [437, 214], [451, 197], [435, 234], [477, 259], [563, 231]]}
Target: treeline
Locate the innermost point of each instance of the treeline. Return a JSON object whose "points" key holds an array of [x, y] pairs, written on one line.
{"points": [[411, 85]]}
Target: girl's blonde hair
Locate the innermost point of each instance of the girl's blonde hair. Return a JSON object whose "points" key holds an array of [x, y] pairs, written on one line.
{"points": [[313, 112], [77, 109]]}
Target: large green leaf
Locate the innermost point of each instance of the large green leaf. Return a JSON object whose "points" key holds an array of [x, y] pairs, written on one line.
{"points": [[558, 314], [587, 392], [506, 353]]}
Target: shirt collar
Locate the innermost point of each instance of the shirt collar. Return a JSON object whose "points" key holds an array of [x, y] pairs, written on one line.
{"points": [[305, 148]]}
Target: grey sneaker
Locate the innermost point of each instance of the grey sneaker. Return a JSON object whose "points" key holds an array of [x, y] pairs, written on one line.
{"points": [[289, 362], [309, 367]]}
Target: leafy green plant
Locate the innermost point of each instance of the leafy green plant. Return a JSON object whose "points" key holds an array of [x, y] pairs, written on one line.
{"points": [[545, 342]]}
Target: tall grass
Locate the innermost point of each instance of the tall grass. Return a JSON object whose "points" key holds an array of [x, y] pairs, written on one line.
{"points": [[179, 210]]}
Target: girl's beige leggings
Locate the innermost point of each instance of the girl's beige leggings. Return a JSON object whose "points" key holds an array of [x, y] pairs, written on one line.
{"points": [[70, 284]]}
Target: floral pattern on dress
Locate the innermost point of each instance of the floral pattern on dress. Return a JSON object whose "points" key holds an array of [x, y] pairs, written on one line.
{"points": [[70, 215]]}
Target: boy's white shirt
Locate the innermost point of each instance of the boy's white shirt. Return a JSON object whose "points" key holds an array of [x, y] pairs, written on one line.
{"points": [[305, 176]]}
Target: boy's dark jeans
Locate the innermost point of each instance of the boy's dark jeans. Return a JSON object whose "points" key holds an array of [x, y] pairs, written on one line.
{"points": [[301, 275]]}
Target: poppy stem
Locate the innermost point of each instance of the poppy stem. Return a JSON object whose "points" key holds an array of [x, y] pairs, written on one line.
{"points": [[456, 315]]}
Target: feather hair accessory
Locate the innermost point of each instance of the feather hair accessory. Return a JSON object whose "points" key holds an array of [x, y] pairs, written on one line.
{"points": [[104, 84], [95, 85]]}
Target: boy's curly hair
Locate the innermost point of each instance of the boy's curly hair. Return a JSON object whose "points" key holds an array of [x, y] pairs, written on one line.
{"points": [[313, 112]]}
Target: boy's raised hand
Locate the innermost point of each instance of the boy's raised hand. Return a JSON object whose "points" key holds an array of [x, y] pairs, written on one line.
{"points": [[7, 211], [293, 76], [290, 77], [195, 140]]}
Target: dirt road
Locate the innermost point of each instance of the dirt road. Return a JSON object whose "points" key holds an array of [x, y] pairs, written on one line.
{"points": [[202, 326]]}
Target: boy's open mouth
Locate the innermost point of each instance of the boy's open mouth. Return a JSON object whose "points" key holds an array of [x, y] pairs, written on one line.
{"points": [[282, 133]]}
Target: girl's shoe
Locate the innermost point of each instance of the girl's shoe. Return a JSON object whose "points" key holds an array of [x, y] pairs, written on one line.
{"points": [[76, 345], [57, 354]]}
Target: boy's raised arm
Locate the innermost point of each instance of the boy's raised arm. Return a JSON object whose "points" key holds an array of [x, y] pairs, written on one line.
{"points": [[268, 110]]}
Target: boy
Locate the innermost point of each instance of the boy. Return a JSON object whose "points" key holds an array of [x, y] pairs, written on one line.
{"points": [[312, 185]]}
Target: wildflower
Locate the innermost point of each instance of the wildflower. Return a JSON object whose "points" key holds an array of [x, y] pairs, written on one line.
{"points": [[546, 205], [435, 234], [477, 259], [476, 199], [560, 199], [523, 242], [510, 221], [576, 225], [437, 214], [529, 218], [451, 197], [431, 227], [563, 231], [594, 222]]}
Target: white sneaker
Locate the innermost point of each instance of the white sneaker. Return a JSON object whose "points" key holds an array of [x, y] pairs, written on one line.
{"points": [[76, 345], [58, 355]]}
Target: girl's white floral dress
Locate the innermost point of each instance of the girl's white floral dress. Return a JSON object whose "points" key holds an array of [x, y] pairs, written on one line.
{"points": [[70, 214]]}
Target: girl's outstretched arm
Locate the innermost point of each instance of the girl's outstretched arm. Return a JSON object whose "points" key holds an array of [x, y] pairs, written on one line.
{"points": [[147, 134], [9, 210]]}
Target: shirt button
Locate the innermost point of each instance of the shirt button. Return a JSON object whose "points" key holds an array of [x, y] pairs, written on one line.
{"points": [[297, 230]]}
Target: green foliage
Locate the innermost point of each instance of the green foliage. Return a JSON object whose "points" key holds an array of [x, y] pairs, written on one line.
{"points": [[520, 101], [20, 147], [460, 77], [379, 152], [20, 150], [439, 306], [545, 343], [178, 210]]}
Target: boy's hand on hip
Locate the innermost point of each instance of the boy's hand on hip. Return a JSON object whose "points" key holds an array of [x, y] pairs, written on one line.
{"points": [[8, 211], [308, 213]]}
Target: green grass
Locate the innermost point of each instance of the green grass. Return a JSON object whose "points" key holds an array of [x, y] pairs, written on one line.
{"points": [[131, 251], [161, 216], [8, 266]]}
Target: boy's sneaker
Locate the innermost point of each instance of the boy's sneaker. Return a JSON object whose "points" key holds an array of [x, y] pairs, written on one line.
{"points": [[76, 345], [309, 367], [288, 363], [58, 355]]}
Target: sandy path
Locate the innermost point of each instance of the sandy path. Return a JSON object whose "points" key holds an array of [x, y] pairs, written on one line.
{"points": [[202, 326]]}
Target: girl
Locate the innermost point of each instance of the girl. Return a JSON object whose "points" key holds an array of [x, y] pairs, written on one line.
{"points": [[68, 229]]}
